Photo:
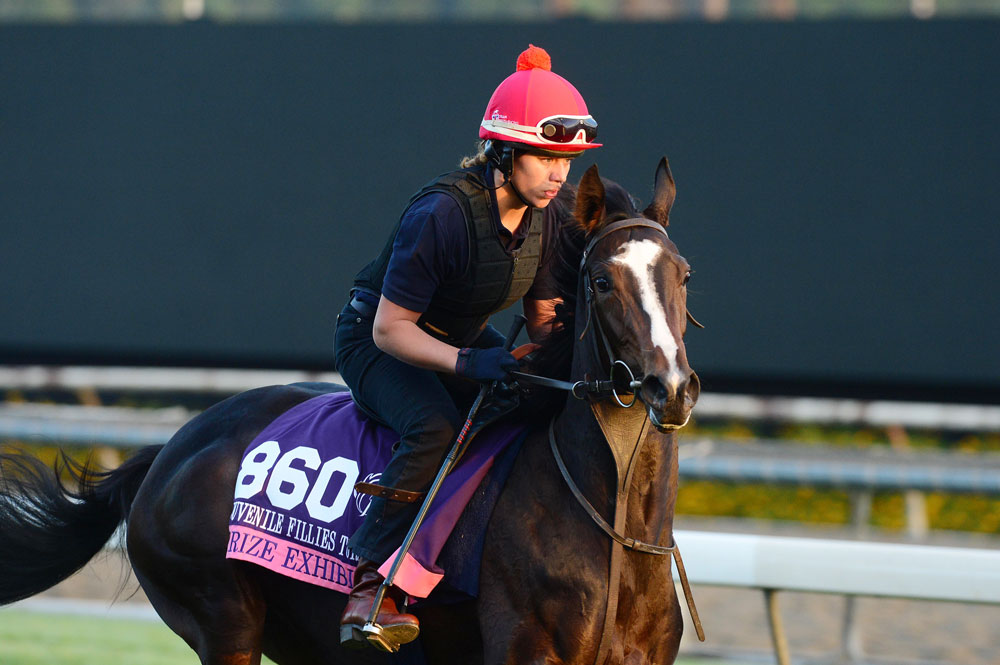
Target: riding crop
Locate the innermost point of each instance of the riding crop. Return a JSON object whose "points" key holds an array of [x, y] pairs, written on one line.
{"points": [[371, 629]]}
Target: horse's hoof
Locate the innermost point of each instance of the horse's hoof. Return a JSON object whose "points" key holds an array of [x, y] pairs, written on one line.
{"points": [[352, 637]]}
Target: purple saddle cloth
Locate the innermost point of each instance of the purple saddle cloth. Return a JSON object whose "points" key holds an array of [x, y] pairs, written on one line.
{"points": [[296, 507]]}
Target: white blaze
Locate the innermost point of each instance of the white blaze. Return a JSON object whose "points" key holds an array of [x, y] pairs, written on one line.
{"points": [[640, 256]]}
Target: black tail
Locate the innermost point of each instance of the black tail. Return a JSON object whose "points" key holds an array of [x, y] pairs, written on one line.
{"points": [[48, 532]]}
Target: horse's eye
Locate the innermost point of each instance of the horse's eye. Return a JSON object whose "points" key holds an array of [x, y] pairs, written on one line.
{"points": [[602, 284], [687, 277]]}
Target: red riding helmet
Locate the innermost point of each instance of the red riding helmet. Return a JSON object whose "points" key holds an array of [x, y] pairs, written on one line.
{"points": [[536, 107]]}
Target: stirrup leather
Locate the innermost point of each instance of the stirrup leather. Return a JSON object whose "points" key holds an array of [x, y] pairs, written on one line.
{"points": [[389, 493]]}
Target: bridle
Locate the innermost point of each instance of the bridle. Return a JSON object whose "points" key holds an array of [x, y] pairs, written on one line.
{"points": [[621, 379]]}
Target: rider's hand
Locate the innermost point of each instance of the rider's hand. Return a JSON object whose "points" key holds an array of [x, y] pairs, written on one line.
{"points": [[491, 364], [488, 338]]}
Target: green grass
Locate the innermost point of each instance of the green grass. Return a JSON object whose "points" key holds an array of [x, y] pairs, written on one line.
{"points": [[29, 638]]}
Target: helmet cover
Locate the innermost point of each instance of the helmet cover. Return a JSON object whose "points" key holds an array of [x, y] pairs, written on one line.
{"points": [[536, 107]]}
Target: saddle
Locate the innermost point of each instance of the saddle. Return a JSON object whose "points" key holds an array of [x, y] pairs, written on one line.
{"points": [[305, 483]]}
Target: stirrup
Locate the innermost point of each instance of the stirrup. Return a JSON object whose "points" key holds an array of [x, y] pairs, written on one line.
{"points": [[390, 638], [377, 638], [352, 637]]}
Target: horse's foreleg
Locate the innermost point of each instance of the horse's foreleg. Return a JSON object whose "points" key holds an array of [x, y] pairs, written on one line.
{"points": [[450, 634]]}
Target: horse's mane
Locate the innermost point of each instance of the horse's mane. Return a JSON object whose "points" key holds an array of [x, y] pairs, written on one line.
{"points": [[556, 355]]}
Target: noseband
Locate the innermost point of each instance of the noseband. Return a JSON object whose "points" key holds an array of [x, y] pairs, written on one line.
{"points": [[621, 379]]}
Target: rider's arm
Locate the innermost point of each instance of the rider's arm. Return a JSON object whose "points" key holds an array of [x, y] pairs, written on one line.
{"points": [[541, 316], [431, 247], [540, 302], [396, 332]]}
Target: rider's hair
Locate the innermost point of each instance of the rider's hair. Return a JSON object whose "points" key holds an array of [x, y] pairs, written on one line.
{"points": [[477, 159]]}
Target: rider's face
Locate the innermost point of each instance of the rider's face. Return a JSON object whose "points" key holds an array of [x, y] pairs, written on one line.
{"points": [[539, 178]]}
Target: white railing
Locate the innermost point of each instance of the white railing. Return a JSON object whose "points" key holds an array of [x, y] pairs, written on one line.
{"points": [[849, 568]]}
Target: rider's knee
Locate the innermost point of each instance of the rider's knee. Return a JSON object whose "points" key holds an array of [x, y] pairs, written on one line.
{"points": [[438, 429]]}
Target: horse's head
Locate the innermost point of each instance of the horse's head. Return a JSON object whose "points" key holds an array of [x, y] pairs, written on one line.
{"points": [[635, 284]]}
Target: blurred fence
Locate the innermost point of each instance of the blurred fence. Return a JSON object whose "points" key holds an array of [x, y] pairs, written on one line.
{"points": [[784, 463], [422, 10], [764, 461], [827, 411], [760, 461]]}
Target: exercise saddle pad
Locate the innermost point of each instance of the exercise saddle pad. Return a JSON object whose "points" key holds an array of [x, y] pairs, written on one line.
{"points": [[296, 507]]}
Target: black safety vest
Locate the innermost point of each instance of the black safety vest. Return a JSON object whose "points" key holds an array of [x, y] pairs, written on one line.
{"points": [[494, 279]]}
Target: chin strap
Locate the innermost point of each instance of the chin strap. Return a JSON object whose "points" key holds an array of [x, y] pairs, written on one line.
{"points": [[514, 188], [507, 181]]}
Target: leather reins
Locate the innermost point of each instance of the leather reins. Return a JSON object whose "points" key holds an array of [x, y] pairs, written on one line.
{"points": [[583, 389], [601, 389]]}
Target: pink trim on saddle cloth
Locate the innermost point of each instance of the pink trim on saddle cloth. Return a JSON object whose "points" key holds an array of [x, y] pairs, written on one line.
{"points": [[411, 577], [289, 558], [419, 579]]}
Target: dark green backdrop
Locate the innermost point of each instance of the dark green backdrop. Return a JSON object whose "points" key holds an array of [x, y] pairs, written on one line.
{"points": [[202, 194]]}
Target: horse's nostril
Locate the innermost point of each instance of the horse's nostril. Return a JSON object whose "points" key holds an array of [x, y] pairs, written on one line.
{"points": [[653, 390], [693, 388]]}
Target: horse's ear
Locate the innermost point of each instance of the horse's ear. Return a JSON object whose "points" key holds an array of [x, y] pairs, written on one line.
{"points": [[664, 192], [590, 211]]}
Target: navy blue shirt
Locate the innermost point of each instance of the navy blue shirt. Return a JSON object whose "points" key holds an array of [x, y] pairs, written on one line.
{"points": [[432, 247]]}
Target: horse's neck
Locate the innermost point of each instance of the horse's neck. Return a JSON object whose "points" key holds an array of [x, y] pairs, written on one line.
{"points": [[597, 470]]}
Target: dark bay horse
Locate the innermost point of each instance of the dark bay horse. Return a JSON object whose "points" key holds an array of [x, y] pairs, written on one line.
{"points": [[555, 588]]}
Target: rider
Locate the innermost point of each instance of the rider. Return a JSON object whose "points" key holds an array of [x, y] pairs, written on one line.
{"points": [[468, 245]]}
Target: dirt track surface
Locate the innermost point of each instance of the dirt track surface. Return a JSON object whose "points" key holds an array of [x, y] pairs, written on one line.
{"points": [[735, 620]]}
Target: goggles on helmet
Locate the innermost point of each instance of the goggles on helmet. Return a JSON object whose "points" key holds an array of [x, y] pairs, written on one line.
{"points": [[553, 130], [566, 129]]}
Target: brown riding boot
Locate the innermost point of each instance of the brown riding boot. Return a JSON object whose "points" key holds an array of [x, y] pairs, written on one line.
{"points": [[397, 628]]}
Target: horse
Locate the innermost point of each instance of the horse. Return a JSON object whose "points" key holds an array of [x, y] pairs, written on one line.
{"points": [[569, 571]]}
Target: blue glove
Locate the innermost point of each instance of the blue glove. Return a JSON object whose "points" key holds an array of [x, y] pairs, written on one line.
{"points": [[489, 337], [485, 364]]}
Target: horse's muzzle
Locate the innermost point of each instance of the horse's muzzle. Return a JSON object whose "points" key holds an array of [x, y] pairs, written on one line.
{"points": [[670, 409]]}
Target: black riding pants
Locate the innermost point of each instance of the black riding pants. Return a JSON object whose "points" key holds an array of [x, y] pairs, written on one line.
{"points": [[425, 408]]}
